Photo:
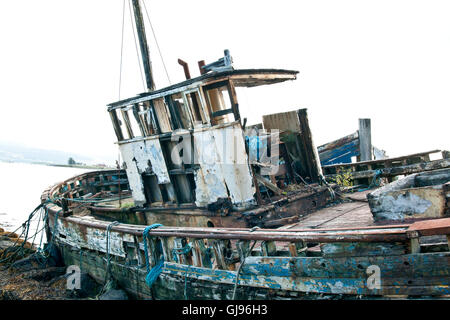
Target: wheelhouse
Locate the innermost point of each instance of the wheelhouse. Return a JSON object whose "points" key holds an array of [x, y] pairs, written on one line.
{"points": [[150, 126]]}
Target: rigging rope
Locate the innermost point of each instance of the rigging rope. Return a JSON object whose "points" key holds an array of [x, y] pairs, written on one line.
{"points": [[135, 44], [108, 239], [156, 41], [121, 47], [240, 268], [8, 254]]}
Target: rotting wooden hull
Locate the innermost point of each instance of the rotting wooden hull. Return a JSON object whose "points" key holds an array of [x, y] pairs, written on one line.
{"points": [[279, 278], [282, 266], [282, 210], [284, 263]]}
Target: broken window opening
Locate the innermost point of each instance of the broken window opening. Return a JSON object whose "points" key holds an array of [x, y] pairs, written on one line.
{"points": [[174, 115], [219, 101], [147, 118], [126, 135], [116, 125], [195, 102], [162, 115], [182, 109], [135, 121], [152, 192], [181, 177]]}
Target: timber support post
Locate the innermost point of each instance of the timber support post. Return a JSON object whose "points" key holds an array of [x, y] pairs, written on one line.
{"points": [[310, 151], [365, 140]]}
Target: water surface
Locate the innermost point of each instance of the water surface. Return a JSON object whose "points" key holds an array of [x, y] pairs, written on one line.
{"points": [[21, 186]]}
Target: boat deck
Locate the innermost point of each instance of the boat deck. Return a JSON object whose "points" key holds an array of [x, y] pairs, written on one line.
{"points": [[347, 214]]}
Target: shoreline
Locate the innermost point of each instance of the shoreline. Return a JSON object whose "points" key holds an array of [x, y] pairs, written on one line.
{"points": [[77, 166]]}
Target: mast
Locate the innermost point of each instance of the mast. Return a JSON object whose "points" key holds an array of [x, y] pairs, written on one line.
{"points": [[143, 45]]}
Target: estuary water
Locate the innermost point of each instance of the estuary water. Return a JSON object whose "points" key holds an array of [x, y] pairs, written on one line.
{"points": [[21, 186]]}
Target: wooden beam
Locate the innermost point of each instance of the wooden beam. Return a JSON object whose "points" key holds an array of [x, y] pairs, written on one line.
{"points": [[400, 170], [311, 154], [140, 28], [268, 184], [233, 100], [365, 140], [116, 125], [127, 123]]}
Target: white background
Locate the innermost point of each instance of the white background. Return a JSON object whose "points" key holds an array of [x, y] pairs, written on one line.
{"points": [[384, 60]]}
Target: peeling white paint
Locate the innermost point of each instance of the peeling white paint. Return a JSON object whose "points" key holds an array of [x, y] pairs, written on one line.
{"points": [[230, 146], [403, 199], [140, 157], [154, 152], [209, 180], [396, 208], [134, 178], [93, 239], [220, 152], [224, 170]]}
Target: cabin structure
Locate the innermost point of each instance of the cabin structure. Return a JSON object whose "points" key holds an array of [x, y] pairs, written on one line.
{"points": [[184, 145]]}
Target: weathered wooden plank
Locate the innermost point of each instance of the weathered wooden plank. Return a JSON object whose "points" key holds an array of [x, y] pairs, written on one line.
{"points": [[196, 252], [419, 274], [116, 125], [268, 248], [414, 245], [233, 100], [97, 226], [431, 227], [397, 170], [383, 161], [339, 276], [126, 119], [243, 248], [341, 154], [365, 140], [268, 184], [411, 265], [219, 254], [311, 154], [358, 249], [337, 143], [297, 249]]}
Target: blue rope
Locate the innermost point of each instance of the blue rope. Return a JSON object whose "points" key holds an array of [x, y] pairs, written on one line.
{"points": [[154, 273], [183, 250], [375, 181]]}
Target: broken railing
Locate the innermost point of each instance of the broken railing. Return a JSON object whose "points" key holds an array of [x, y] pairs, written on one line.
{"points": [[88, 184], [389, 168]]}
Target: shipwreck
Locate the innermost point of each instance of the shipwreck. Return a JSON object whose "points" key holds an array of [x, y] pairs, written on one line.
{"points": [[205, 207]]}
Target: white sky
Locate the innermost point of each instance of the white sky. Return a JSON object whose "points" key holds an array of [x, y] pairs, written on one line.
{"points": [[384, 60]]}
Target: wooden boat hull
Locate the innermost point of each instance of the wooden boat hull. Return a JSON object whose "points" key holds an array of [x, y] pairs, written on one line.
{"points": [[283, 266], [280, 278], [209, 263]]}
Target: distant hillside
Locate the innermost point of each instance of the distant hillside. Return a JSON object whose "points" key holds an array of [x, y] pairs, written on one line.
{"points": [[19, 153]]}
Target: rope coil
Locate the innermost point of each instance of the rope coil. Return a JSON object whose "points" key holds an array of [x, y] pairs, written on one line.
{"points": [[152, 274]]}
